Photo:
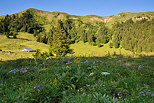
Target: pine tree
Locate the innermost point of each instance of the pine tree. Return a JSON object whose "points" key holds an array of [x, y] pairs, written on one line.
{"points": [[60, 43]]}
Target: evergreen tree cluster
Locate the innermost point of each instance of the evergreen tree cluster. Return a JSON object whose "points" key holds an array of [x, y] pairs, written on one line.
{"points": [[11, 24], [136, 36], [76, 30], [60, 42]]}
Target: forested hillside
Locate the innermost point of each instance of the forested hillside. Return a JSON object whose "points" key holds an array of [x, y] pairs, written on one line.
{"points": [[131, 31], [11, 24], [135, 36]]}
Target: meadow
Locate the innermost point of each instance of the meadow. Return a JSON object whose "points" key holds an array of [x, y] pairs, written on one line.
{"points": [[110, 79], [90, 75], [11, 48]]}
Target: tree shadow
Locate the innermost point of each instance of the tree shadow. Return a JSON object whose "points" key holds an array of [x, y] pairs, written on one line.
{"points": [[122, 60], [24, 39]]}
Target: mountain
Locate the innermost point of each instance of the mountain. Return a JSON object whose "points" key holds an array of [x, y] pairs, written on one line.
{"points": [[48, 16], [131, 31]]}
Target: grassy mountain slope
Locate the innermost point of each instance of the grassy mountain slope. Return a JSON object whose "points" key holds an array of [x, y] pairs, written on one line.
{"points": [[85, 49], [121, 17], [46, 17]]}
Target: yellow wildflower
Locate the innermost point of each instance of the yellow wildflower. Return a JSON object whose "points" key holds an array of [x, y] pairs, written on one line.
{"points": [[68, 63], [67, 67]]}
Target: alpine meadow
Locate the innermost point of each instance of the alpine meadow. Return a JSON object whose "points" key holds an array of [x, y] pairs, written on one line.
{"points": [[55, 57]]}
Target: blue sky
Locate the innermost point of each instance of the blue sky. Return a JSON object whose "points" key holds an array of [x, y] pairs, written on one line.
{"points": [[78, 7]]}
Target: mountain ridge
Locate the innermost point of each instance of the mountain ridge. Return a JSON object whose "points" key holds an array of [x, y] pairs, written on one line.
{"points": [[81, 15], [120, 16]]}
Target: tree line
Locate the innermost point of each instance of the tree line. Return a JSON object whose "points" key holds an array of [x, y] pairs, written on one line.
{"points": [[10, 25], [76, 30], [136, 36]]}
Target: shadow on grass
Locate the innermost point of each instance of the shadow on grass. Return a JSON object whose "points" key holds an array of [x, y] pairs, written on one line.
{"points": [[24, 39], [127, 62]]}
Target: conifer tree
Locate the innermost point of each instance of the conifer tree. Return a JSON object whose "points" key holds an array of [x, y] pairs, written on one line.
{"points": [[60, 43]]}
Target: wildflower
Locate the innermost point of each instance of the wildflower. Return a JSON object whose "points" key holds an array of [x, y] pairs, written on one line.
{"points": [[87, 85], [140, 66], [68, 63], [38, 87], [105, 73], [80, 89], [152, 94], [119, 97], [14, 71], [144, 94], [86, 61], [141, 92], [77, 58], [23, 70], [67, 67], [91, 74]]}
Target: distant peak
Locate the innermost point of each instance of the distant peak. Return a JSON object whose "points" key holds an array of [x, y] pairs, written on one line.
{"points": [[31, 9]]}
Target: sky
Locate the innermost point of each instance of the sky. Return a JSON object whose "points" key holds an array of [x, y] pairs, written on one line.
{"points": [[78, 7]]}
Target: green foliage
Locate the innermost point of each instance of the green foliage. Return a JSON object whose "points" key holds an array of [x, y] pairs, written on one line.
{"points": [[134, 36], [111, 45], [77, 30], [38, 55], [11, 24], [91, 98], [60, 43]]}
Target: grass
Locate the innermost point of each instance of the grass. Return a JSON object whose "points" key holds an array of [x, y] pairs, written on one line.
{"points": [[11, 48], [85, 49], [74, 80]]}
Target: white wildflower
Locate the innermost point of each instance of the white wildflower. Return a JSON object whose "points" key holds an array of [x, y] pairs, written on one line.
{"points": [[105, 73], [140, 66], [87, 85], [91, 74], [14, 71], [23, 70]]}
